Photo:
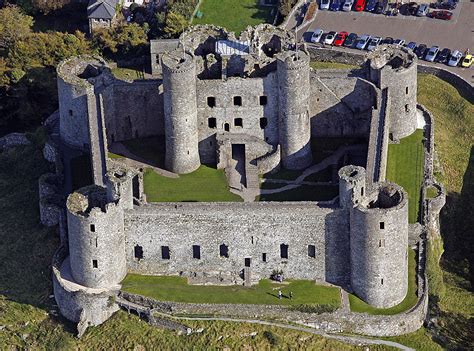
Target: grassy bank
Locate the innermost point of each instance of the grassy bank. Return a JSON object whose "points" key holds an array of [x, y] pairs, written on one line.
{"points": [[330, 65], [357, 305], [266, 292], [233, 15]]}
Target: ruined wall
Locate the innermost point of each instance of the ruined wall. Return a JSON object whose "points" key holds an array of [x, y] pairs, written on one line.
{"points": [[258, 98], [249, 231]]}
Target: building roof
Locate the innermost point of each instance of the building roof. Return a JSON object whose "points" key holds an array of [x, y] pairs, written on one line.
{"points": [[232, 47], [104, 9]]}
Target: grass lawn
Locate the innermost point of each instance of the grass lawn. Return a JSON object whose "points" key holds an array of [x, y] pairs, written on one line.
{"points": [[405, 167], [329, 65], [177, 289], [206, 184], [234, 15], [431, 192], [301, 193], [357, 305], [127, 73]]}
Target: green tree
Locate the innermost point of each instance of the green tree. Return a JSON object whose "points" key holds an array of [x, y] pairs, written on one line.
{"points": [[14, 26], [175, 24], [121, 41]]}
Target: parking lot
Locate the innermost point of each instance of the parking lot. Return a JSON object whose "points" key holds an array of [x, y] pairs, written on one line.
{"points": [[455, 34]]}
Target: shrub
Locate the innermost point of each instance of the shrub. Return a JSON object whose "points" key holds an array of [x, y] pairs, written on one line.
{"points": [[272, 338]]}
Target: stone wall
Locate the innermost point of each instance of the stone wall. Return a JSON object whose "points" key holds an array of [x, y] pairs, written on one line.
{"points": [[248, 231], [330, 55], [50, 201]]}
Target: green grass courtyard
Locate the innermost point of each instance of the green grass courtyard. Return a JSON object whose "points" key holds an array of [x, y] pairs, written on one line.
{"points": [[169, 288], [234, 15]]}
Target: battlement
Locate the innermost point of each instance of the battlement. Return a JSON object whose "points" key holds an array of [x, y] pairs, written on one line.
{"points": [[82, 70], [386, 196], [89, 201], [394, 57]]}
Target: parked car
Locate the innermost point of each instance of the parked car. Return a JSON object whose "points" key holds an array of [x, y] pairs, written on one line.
{"points": [[411, 45], [340, 38], [444, 15], [379, 7], [329, 38], [370, 5], [467, 61], [347, 5], [455, 58], [362, 41], [387, 40], [373, 43], [422, 10], [443, 55], [409, 9], [399, 42], [432, 52], [324, 4], [336, 5], [421, 50], [350, 40], [447, 5], [359, 5], [316, 36]]}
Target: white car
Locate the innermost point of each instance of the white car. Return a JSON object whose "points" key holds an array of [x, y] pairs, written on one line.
{"points": [[362, 41], [456, 56], [399, 42], [324, 5], [316, 36], [347, 5], [373, 43], [431, 55], [329, 38]]}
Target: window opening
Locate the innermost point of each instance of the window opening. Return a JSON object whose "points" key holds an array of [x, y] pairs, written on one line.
{"points": [[224, 250], [226, 127], [263, 123], [382, 225], [238, 122], [212, 122], [138, 252], [247, 262], [263, 100], [211, 101], [237, 101], [312, 251], [264, 257], [284, 251], [93, 228], [165, 252], [94, 264], [197, 252]]}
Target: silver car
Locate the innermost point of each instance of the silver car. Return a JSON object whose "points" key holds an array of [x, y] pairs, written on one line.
{"points": [[316, 36], [347, 5], [422, 10], [456, 56], [324, 5], [373, 43], [431, 55], [362, 41]]}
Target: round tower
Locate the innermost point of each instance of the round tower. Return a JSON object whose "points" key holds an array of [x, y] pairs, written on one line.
{"points": [[395, 68], [181, 130], [379, 244], [294, 124], [351, 186], [96, 238], [75, 93]]}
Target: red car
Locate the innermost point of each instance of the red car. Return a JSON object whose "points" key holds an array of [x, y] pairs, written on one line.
{"points": [[359, 5], [340, 38], [444, 15]]}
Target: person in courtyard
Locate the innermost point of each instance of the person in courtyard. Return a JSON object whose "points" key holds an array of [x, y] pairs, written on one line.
{"points": [[279, 294], [291, 295]]}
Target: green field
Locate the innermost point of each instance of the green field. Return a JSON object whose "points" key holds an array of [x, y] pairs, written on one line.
{"points": [[206, 184], [357, 305], [233, 15], [405, 168], [266, 292]]}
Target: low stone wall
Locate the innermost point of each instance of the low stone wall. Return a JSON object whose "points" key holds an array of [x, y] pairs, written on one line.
{"points": [[50, 202], [339, 321], [449, 77], [330, 55]]}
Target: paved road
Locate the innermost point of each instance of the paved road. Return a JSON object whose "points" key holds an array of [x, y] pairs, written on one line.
{"points": [[455, 34]]}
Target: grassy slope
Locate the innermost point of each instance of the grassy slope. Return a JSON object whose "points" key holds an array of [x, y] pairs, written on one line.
{"points": [[405, 167], [357, 305], [330, 65], [233, 15], [177, 289], [204, 184]]}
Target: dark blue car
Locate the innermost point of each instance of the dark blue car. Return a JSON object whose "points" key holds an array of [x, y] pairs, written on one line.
{"points": [[336, 5], [370, 6]]}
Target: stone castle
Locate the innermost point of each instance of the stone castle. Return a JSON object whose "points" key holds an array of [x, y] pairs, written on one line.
{"points": [[216, 98]]}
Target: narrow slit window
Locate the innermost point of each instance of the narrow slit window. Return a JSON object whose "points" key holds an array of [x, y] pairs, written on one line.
{"points": [[70, 113], [284, 251], [407, 109], [197, 252], [362, 191], [382, 225], [406, 91], [94, 264], [381, 281], [92, 227], [264, 257], [165, 252]]}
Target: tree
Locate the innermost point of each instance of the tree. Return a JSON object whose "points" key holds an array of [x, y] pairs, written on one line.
{"points": [[125, 40], [14, 26], [175, 24], [285, 6], [47, 6]]}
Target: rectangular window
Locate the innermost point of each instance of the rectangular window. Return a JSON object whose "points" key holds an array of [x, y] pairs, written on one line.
{"points": [[263, 100], [407, 90], [247, 262], [362, 191], [382, 225], [92, 228], [197, 252], [165, 252], [284, 251], [381, 281], [138, 251], [212, 122], [312, 251], [94, 264], [264, 257], [263, 123], [237, 101], [211, 101], [224, 251], [70, 113], [238, 122]]}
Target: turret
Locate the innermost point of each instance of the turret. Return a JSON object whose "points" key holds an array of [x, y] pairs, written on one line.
{"points": [[181, 130], [120, 187], [395, 68], [379, 244], [294, 124], [351, 186], [96, 238]]}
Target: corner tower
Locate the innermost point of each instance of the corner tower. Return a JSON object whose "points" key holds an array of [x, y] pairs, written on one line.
{"points": [[395, 68], [294, 124], [379, 244], [181, 130]]}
